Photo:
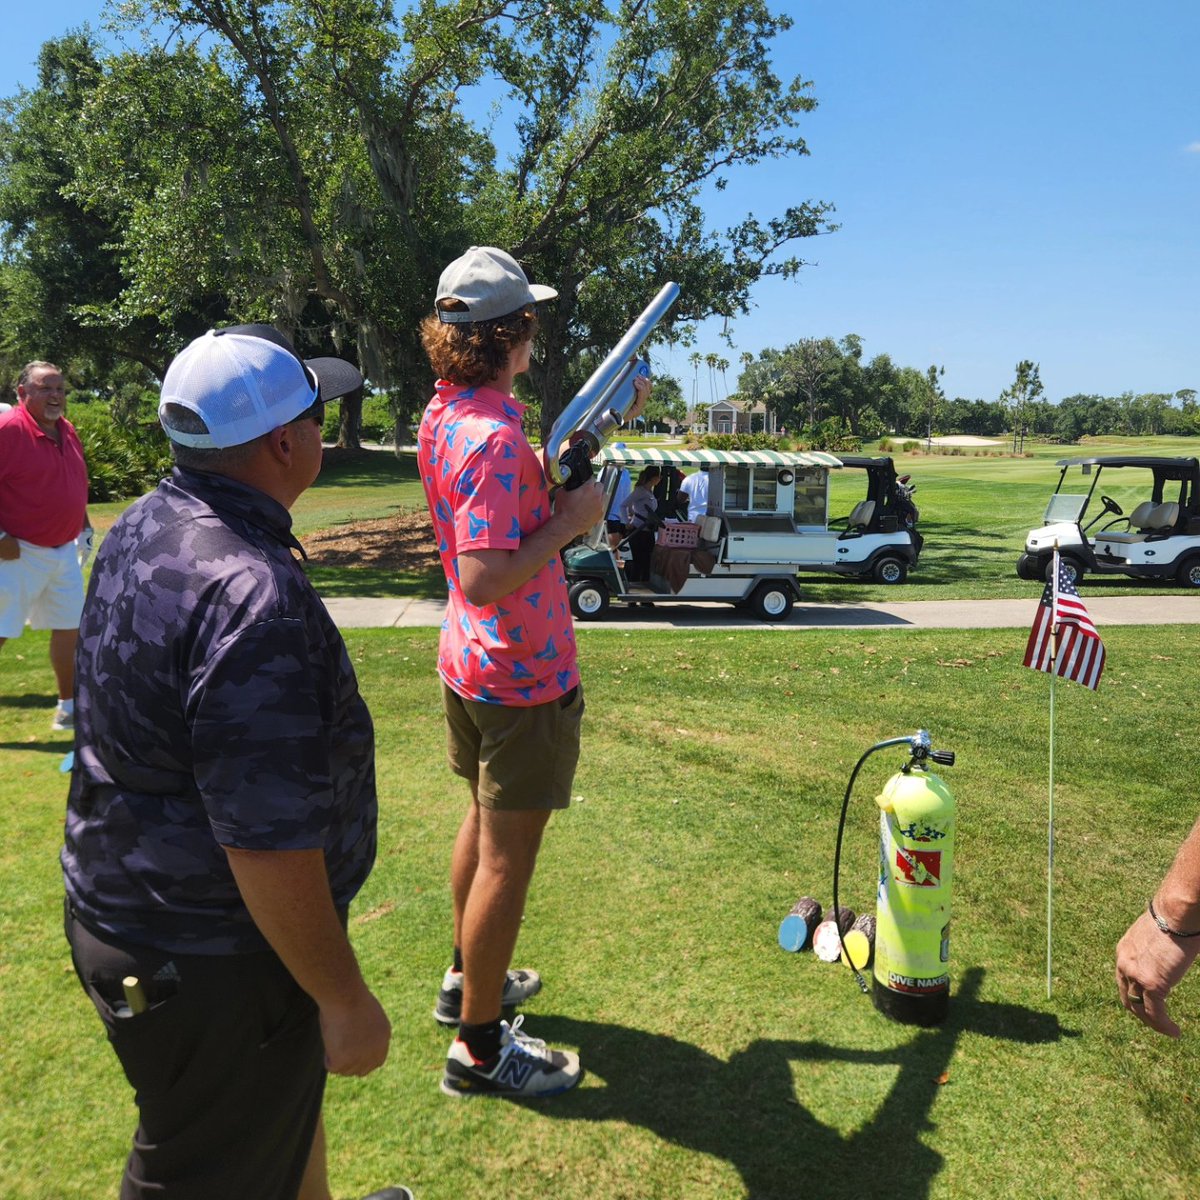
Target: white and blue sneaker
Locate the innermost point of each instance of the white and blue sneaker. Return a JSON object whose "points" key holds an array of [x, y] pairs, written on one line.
{"points": [[518, 987], [524, 1068]]}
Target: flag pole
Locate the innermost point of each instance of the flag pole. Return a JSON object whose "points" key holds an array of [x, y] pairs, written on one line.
{"points": [[1050, 834], [1061, 622], [1050, 823]]}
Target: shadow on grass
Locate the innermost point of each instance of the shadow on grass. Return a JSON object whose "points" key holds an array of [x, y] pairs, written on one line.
{"points": [[746, 1110], [29, 700], [59, 748]]}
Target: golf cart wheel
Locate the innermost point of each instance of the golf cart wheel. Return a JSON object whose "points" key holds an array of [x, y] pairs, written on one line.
{"points": [[890, 570], [589, 599], [1072, 568], [772, 602], [1188, 575], [1028, 567]]}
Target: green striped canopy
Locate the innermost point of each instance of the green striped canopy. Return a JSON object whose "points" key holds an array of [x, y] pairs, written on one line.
{"points": [[659, 455]]}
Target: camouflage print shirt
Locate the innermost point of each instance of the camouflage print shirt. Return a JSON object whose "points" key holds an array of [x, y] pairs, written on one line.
{"points": [[216, 706]]}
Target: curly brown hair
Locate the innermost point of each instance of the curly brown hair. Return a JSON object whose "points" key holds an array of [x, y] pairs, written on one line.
{"points": [[471, 353]]}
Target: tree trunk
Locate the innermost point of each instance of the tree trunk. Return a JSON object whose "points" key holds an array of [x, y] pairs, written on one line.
{"points": [[350, 421]]}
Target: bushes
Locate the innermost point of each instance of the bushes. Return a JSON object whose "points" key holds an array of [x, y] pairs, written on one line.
{"points": [[123, 461], [896, 445], [378, 422], [899, 446], [831, 436], [378, 419], [741, 441]]}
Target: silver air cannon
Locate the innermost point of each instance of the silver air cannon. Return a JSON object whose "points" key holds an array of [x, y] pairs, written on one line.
{"points": [[912, 902], [601, 405]]}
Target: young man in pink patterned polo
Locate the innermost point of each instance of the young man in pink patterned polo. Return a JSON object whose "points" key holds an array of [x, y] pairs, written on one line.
{"points": [[507, 660]]}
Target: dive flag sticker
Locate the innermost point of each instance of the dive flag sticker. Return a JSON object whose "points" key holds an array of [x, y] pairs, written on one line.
{"points": [[921, 868]]}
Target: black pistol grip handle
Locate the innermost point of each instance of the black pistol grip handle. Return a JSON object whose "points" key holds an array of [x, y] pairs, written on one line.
{"points": [[577, 465]]}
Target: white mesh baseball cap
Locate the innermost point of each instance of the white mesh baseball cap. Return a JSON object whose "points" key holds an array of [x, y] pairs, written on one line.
{"points": [[245, 381], [490, 283]]}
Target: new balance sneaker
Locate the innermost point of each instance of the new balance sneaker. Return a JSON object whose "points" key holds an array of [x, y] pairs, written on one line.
{"points": [[524, 1067], [64, 717], [518, 987]]}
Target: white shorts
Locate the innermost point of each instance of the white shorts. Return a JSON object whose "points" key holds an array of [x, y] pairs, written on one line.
{"points": [[43, 587]]}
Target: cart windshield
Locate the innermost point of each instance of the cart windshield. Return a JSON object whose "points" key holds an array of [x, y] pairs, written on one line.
{"points": [[1064, 507]]}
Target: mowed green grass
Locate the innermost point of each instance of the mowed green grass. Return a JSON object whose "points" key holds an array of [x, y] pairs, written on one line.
{"points": [[976, 509], [718, 1066]]}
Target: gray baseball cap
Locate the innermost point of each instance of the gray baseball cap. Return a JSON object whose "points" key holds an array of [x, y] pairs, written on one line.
{"points": [[490, 283]]}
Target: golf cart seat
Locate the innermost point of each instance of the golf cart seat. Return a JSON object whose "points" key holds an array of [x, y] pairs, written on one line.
{"points": [[1140, 518], [710, 529], [860, 516], [1163, 518], [1140, 524]]}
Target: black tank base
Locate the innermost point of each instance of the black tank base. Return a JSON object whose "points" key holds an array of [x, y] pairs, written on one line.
{"points": [[909, 1009]]}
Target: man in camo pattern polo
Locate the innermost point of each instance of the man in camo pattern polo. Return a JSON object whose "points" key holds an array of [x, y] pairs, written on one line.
{"points": [[222, 807]]}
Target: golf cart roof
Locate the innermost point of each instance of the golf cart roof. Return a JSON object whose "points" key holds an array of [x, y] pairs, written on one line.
{"points": [[866, 461], [1169, 468], [659, 455]]}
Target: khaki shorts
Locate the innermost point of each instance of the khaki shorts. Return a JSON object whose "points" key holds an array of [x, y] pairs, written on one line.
{"points": [[517, 758]]}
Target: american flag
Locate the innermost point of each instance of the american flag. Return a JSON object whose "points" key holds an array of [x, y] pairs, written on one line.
{"points": [[1080, 652]]}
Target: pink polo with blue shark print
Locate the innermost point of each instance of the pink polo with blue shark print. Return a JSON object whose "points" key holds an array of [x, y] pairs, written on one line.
{"points": [[486, 491]]}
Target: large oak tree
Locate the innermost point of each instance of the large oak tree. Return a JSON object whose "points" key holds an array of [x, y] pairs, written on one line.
{"points": [[316, 162]]}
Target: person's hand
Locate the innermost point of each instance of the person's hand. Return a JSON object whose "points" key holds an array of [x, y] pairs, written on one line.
{"points": [[641, 393], [356, 1033], [1149, 964], [579, 509], [84, 545], [10, 548]]}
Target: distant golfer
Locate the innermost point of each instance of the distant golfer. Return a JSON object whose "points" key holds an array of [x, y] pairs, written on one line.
{"points": [[45, 534]]}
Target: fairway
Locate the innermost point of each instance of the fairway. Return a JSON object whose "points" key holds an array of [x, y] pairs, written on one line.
{"points": [[718, 1066], [976, 509]]}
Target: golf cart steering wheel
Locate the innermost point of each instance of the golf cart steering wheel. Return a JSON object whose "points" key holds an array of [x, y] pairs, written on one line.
{"points": [[1112, 506]]}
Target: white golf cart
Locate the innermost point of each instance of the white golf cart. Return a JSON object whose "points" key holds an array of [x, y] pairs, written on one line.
{"points": [[1154, 530], [766, 518]]}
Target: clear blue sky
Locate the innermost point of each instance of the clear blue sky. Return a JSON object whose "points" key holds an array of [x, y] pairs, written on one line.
{"points": [[1016, 179]]}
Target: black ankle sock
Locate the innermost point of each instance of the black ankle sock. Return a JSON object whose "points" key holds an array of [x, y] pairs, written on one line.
{"points": [[457, 959], [483, 1041]]}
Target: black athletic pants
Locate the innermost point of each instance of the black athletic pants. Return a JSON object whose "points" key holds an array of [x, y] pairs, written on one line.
{"points": [[641, 548]]}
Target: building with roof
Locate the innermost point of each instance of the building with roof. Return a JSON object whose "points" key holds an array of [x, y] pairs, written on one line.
{"points": [[732, 416]]}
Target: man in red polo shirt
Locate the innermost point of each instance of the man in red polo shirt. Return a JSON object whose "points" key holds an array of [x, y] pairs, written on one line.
{"points": [[43, 513]]}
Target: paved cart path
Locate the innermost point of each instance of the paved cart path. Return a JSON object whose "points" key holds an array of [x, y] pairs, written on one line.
{"points": [[1182, 609]]}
